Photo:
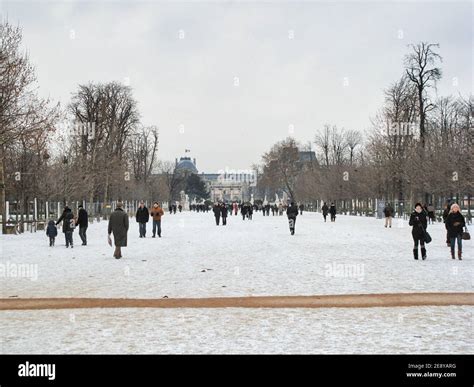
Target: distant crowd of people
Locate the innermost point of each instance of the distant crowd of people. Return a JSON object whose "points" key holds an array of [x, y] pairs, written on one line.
{"points": [[118, 225]]}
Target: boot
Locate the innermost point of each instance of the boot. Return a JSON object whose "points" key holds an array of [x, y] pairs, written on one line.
{"points": [[423, 253], [459, 255], [415, 254], [452, 254]]}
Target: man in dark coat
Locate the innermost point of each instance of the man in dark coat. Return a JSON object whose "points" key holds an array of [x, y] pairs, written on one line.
{"points": [[455, 224], [332, 211], [82, 222], [292, 213], [301, 207], [243, 211], [142, 216], [419, 223], [118, 224], [67, 217], [325, 210], [224, 214], [217, 213]]}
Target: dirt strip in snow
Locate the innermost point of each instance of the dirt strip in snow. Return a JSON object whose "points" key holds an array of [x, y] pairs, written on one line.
{"points": [[323, 301]]}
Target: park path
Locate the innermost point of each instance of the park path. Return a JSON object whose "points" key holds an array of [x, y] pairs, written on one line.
{"points": [[323, 301]]}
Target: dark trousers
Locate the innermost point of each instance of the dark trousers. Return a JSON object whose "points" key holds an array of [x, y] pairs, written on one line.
{"points": [[142, 229], [452, 241], [333, 217], [51, 241], [82, 234], [217, 220], [68, 235], [157, 225], [292, 222], [224, 220], [325, 216], [417, 241]]}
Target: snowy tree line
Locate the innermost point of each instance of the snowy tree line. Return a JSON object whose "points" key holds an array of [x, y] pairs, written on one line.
{"points": [[419, 148], [94, 148]]}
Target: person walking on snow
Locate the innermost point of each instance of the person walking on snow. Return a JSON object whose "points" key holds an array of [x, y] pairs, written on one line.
{"points": [[325, 210], [388, 212], [67, 217], [156, 213], [224, 214], [82, 222], [431, 213], [51, 232], [118, 225], [445, 216], [301, 207], [419, 223], [292, 213], [455, 224], [142, 216], [217, 213], [332, 211]]}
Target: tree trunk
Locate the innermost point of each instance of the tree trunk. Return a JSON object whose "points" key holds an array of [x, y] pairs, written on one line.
{"points": [[3, 211]]}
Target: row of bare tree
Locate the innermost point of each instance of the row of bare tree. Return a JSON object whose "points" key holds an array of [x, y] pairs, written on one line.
{"points": [[418, 148], [94, 148]]}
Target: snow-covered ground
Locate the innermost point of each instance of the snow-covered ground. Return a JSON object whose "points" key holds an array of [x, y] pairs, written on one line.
{"points": [[371, 330], [195, 258]]}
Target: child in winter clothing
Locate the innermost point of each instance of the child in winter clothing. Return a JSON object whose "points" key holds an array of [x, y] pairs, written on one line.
{"points": [[51, 232]]}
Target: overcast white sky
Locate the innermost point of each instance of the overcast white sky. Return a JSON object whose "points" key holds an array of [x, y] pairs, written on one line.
{"points": [[283, 82]]}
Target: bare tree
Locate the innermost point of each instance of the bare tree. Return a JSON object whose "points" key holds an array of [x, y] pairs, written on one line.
{"points": [[22, 112], [143, 147], [322, 140], [282, 166], [353, 140], [173, 179], [421, 71]]}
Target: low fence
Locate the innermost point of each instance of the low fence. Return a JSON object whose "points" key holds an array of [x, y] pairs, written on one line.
{"points": [[37, 213]]}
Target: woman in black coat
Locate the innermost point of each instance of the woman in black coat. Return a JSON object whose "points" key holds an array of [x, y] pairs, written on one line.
{"points": [[455, 224], [419, 223]]}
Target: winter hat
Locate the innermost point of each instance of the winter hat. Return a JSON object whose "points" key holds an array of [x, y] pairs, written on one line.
{"points": [[119, 204], [453, 206], [79, 206]]}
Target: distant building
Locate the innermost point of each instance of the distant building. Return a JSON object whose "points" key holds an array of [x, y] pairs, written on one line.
{"points": [[307, 156], [186, 165], [228, 185]]}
